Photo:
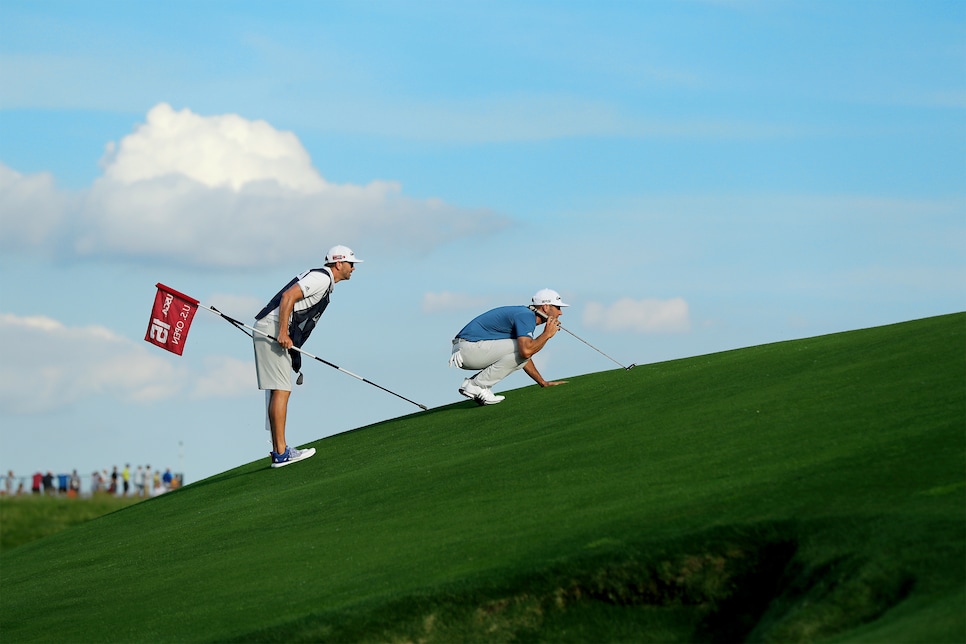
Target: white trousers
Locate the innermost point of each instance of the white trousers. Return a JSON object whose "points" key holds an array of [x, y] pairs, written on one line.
{"points": [[496, 359]]}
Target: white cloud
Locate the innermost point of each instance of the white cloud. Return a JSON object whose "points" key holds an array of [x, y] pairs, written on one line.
{"points": [[219, 191], [225, 377], [215, 151], [46, 365], [32, 210], [640, 316], [447, 301]]}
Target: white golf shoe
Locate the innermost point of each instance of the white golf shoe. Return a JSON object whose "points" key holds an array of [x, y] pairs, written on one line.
{"points": [[482, 395], [487, 397], [470, 390]]}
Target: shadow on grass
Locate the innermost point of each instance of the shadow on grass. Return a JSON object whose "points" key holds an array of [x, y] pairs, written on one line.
{"points": [[733, 585]]}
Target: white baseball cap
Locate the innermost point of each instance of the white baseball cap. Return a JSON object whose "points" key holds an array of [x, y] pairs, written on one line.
{"points": [[547, 296], [341, 254]]}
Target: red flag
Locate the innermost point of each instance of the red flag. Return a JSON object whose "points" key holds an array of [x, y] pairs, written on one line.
{"points": [[170, 319]]}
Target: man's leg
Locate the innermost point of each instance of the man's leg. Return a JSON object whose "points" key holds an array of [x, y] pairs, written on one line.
{"points": [[496, 359], [273, 368], [277, 413]]}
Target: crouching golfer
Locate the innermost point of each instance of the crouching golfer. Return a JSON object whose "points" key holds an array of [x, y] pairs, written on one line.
{"points": [[299, 304], [500, 342]]}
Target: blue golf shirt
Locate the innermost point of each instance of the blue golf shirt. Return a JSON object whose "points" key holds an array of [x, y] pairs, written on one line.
{"points": [[505, 322]]}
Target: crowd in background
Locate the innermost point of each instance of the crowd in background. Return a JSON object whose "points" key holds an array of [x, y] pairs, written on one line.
{"points": [[139, 482]]}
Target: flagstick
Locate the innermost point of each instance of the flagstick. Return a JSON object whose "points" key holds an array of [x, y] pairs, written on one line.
{"points": [[243, 326]]}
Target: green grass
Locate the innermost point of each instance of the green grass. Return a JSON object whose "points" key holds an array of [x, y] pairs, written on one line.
{"points": [[812, 490], [29, 517]]}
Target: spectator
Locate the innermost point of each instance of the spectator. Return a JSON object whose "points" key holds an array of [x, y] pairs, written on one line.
{"points": [[38, 483]]}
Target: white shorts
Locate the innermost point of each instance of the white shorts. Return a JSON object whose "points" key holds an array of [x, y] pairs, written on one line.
{"points": [[273, 364]]}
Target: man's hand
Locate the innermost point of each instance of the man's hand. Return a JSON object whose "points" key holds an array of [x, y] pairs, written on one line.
{"points": [[528, 346], [285, 340], [552, 326], [531, 370]]}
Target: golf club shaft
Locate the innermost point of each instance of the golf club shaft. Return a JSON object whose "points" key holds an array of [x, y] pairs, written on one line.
{"points": [[543, 315], [241, 325], [595, 348]]}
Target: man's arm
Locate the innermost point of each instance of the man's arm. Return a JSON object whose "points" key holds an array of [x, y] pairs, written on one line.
{"points": [[528, 346], [285, 308], [531, 370]]}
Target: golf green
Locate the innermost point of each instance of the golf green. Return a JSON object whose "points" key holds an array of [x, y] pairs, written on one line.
{"points": [[801, 491]]}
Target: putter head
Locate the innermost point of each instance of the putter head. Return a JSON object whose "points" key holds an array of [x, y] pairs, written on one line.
{"points": [[630, 366]]}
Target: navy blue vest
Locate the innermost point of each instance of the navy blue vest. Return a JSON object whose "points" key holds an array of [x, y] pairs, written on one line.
{"points": [[303, 322]]}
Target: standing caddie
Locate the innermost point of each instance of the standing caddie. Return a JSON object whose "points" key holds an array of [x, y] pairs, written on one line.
{"points": [[501, 341], [290, 317]]}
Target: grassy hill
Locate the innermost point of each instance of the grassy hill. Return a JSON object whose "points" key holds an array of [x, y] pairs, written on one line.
{"points": [[29, 517], [812, 490]]}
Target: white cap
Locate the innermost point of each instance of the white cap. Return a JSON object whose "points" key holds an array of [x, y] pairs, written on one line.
{"points": [[341, 254], [547, 296]]}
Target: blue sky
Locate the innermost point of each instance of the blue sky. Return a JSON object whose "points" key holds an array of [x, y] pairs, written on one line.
{"points": [[692, 176]]}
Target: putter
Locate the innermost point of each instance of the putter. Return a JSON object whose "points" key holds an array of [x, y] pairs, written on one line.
{"points": [[242, 326], [627, 368]]}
